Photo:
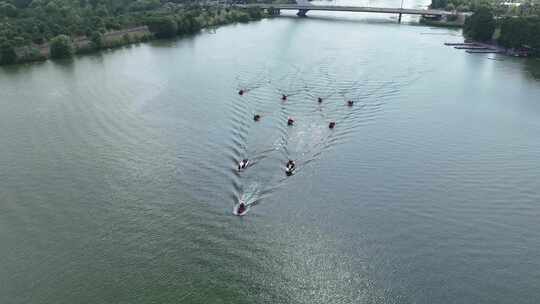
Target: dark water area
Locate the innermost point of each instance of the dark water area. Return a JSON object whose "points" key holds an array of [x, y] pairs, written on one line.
{"points": [[118, 180]]}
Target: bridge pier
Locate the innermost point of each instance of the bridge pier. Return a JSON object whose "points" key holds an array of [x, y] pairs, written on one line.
{"points": [[302, 12], [273, 11], [399, 18]]}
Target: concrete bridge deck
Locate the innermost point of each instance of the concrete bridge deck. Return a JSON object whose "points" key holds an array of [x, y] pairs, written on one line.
{"points": [[335, 8]]}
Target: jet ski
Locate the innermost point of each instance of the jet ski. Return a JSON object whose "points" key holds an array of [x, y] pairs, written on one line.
{"points": [[290, 122], [289, 169], [244, 163], [241, 209]]}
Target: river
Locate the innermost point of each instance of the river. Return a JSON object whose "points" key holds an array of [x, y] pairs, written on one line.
{"points": [[117, 170]]}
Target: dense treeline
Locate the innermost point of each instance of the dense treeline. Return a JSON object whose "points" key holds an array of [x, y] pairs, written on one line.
{"points": [[460, 5], [515, 33], [27, 24], [514, 26], [521, 32], [499, 8]]}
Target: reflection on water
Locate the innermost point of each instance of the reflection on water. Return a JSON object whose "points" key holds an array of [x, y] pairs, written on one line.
{"points": [[532, 66]]}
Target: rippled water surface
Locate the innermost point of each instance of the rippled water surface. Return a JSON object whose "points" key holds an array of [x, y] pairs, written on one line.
{"points": [[117, 170]]}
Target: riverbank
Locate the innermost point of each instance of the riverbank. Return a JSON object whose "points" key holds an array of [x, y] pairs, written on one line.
{"points": [[156, 26], [83, 45]]}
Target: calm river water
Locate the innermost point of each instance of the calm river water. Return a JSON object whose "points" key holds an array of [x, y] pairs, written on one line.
{"points": [[117, 175]]}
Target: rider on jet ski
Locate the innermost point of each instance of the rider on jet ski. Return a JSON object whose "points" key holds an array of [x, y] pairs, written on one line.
{"points": [[291, 165], [243, 164], [290, 121], [241, 208], [290, 168]]}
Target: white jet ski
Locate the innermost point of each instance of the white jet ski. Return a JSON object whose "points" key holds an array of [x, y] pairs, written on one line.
{"points": [[241, 209], [243, 164]]}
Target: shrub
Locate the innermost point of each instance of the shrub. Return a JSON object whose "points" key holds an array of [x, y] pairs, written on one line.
{"points": [[162, 27], [7, 54], [61, 46]]}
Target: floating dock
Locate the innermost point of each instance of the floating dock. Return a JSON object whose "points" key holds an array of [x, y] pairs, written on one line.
{"points": [[476, 48], [461, 44], [487, 51], [472, 47]]}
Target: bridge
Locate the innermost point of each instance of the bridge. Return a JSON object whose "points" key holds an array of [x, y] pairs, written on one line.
{"points": [[303, 7]]}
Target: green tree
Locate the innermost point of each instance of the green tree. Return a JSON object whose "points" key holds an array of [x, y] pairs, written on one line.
{"points": [[126, 39], [162, 27], [7, 54], [242, 17], [520, 31], [511, 32], [61, 46], [188, 24], [436, 4], [144, 5], [8, 9], [21, 3], [97, 39], [480, 26]]}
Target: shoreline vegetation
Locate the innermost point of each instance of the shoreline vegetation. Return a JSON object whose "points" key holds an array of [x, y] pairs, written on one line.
{"points": [[511, 28], [512, 35], [36, 30]]}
